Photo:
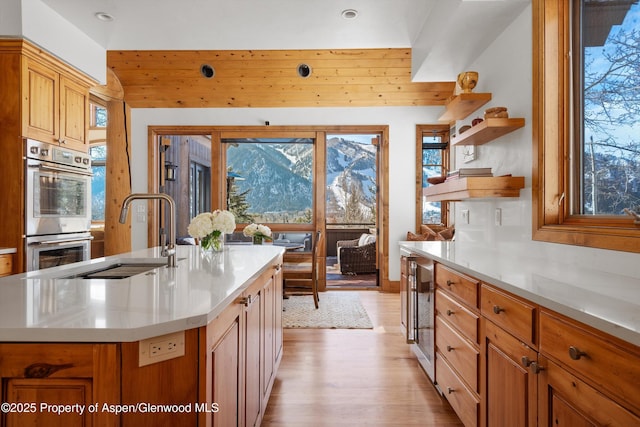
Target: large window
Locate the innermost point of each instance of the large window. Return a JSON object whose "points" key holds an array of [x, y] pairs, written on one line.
{"points": [[98, 153], [433, 158], [351, 180], [270, 180], [606, 68], [587, 122]]}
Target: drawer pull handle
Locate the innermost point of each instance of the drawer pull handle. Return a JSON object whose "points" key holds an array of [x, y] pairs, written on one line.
{"points": [[450, 390], [575, 353], [449, 282], [449, 312], [536, 368], [526, 362], [246, 301], [449, 348], [497, 309]]}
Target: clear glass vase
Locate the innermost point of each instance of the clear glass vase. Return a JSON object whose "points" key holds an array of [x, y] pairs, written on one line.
{"points": [[214, 242], [257, 240]]}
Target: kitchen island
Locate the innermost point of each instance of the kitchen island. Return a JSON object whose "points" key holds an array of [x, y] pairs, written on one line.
{"points": [[531, 340], [192, 345]]}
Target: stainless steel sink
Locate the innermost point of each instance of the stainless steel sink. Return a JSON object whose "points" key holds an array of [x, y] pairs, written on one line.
{"points": [[120, 270]]}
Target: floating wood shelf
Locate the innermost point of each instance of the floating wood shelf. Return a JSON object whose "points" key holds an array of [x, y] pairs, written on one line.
{"points": [[486, 131], [475, 187], [463, 104]]}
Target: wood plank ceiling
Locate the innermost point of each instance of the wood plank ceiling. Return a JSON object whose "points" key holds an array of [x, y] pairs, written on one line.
{"points": [[269, 78]]}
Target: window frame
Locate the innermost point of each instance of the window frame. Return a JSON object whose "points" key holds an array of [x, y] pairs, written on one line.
{"points": [[421, 130], [552, 220]]}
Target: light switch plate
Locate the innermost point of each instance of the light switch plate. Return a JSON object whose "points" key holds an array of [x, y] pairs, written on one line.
{"points": [[468, 153], [465, 216]]}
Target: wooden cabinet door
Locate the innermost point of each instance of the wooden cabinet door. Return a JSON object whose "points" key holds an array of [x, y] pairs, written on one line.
{"points": [[40, 113], [6, 265], [47, 374], [253, 395], [268, 343], [277, 307], [511, 385], [565, 400], [74, 114], [225, 363], [46, 396]]}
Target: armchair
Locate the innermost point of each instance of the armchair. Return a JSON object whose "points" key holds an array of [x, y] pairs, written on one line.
{"points": [[357, 256]]}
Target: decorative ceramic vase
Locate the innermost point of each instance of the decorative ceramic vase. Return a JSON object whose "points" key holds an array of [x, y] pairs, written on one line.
{"points": [[467, 81], [257, 240]]}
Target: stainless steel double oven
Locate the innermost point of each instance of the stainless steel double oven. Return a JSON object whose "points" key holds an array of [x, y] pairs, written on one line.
{"points": [[57, 205]]}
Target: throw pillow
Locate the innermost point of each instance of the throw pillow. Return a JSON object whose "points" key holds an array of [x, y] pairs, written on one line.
{"points": [[447, 233], [419, 237]]}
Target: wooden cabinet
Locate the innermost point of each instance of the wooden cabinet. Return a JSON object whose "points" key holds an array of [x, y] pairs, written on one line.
{"points": [[243, 351], [221, 370], [594, 374], [36, 377], [457, 347], [6, 264], [55, 106], [511, 385], [42, 98], [502, 360]]}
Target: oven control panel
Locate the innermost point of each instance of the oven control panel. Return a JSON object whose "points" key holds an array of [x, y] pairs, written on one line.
{"points": [[55, 154]]}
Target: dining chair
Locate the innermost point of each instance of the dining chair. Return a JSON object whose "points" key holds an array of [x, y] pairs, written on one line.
{"points": [[300, 272]]}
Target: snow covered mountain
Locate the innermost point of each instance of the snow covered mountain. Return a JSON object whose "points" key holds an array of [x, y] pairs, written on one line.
{"points": [[277, 178]]}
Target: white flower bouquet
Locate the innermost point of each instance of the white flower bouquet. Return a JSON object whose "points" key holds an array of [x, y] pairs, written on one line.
{"points": [[209, 227], [258, 232]]}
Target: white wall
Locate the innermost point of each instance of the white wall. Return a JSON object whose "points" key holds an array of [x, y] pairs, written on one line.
{"points": [[505, 70], [38, 23], [402, 123]]}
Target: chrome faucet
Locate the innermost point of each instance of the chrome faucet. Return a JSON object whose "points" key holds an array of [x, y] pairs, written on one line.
{"points": [[168, 249]]}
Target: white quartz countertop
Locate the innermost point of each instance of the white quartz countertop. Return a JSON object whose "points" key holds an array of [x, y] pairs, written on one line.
{"points": [[607, 301], [44, 306], [5, 251]]}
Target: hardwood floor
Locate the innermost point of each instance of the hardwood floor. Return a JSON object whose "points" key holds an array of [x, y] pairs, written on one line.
{"points": [[340, 377]]}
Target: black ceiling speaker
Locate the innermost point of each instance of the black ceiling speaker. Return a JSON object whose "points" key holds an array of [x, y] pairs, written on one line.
{"points": [[304, 70], [207, 71]]}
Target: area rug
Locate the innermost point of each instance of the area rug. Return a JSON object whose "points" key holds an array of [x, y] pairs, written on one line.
{"points": [[338, 310]]}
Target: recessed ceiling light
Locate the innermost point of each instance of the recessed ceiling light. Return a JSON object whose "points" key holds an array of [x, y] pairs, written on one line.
{"points": [[104, 16], [349, 14]]}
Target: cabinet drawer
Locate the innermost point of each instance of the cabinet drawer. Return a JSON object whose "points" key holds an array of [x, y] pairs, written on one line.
{"points": [[571, 402], [611, 367], [5, 265], [513, 315], [463, 287], [462, 400], [464, 320], [463, 357]]}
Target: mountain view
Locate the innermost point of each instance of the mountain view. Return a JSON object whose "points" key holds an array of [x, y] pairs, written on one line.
{"points": [[272, 181]]}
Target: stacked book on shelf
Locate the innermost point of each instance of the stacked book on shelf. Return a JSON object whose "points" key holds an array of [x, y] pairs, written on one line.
{"points": [[468, 172]]}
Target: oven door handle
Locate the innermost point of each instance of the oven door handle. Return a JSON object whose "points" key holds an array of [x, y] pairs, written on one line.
{"points": [[62, 169], [51, 242]]}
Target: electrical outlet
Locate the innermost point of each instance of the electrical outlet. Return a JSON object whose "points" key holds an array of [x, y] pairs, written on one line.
{"points": [[158, 349], [465, 216], [498, 217]]}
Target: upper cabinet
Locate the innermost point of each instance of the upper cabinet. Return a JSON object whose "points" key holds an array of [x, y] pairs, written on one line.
{"points": [[55, 105]]}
